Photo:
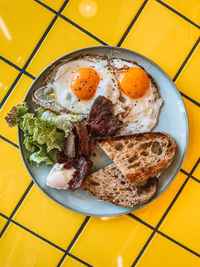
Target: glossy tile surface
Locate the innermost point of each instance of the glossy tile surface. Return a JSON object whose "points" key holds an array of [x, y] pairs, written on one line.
{"points": [[110, 23], [162, 252], [156, 32], [193, 151], [71, 39], [54, 4], [196, 174], [15, 98], [189, 79], [20, 28], [13, 178], [190, 9], [19, 248], [2, 223], [154, 211], [7, 76], [118, 240], [185, 214], [48, 219], [70, 262], [161, 35]]}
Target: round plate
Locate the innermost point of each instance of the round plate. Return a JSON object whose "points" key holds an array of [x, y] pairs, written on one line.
{"points": [[172, 120]]}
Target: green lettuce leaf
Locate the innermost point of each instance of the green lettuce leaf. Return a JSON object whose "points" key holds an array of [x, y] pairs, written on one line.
{"points": [[44, 131], [61, 121], [15, 116], [40, 156], [38, 131], [29, 143]]}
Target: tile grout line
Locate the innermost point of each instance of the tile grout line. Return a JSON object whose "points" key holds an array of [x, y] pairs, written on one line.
{"points": [[45, 34], [42, 238], [33, 54], [71, 22], [184, 172], [165, 214], [31, 232], [154, 231], [8, 141], [14, 144], [74, 240], [161, 233], [4, 216], [11, 89], [140, 220], [187, 59], [46, 6], [130, 214], [143, 249], [178, 243], [90, 34], [76, 258], [83, 30], [16, 208], [148, 225], [195, 179], [190, 99], [17, 67], [178, 13], [132, 23]]}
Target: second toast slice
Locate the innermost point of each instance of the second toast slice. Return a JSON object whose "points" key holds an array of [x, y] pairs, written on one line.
{"points": [[141, 156]]}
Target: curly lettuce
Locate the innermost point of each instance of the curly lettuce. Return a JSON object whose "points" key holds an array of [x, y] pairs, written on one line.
{"points": [[44, 131], [61, 121], [40, 156], [15, 116], [40, 137]]}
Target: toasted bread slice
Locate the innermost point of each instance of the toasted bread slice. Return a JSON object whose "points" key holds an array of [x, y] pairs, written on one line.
{"points": [[109, 184], [141, 156]]}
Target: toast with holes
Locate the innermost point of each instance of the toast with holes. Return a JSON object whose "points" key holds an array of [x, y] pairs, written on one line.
{"points": [[141, 156], [109, 184]]}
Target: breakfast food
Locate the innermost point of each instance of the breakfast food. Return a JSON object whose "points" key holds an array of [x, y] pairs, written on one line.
{"points": [[109, 184], [101, 120], [138, 94], [90, 100], [142, 155], [59, 177], [74, 85]]}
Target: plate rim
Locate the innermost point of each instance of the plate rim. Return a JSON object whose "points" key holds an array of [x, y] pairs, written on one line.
{"points": [[19, 132]]}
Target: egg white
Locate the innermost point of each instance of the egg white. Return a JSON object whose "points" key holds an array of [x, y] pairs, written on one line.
{"points": [[65, 97], [59, 177], [138, 115]]}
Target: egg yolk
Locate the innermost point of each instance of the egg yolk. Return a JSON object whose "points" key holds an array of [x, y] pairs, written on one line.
{"points": [[134, 82], [84, 83]]}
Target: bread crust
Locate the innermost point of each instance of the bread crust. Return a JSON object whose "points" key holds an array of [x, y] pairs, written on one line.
{"points": [[141, 173], [110, 185]]}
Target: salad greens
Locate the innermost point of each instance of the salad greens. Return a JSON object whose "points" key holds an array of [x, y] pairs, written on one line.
{"points": [[44, 131], [61, 121]]}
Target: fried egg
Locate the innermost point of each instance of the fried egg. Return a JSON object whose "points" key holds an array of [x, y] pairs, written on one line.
{"points": [[139, 102], [78, 82]]}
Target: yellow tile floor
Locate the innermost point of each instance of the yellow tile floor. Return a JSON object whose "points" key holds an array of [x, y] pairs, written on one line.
{"points": [[34, 231]]}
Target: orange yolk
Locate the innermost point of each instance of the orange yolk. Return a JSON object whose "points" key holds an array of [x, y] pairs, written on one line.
{"points": [[134, 82], [84, 83]]}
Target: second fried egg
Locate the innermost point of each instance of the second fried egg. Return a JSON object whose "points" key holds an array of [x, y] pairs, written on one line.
{"points": [[140, 101]]}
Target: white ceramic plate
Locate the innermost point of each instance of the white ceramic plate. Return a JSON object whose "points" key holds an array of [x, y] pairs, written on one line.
{"points": [[172, 120]]}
